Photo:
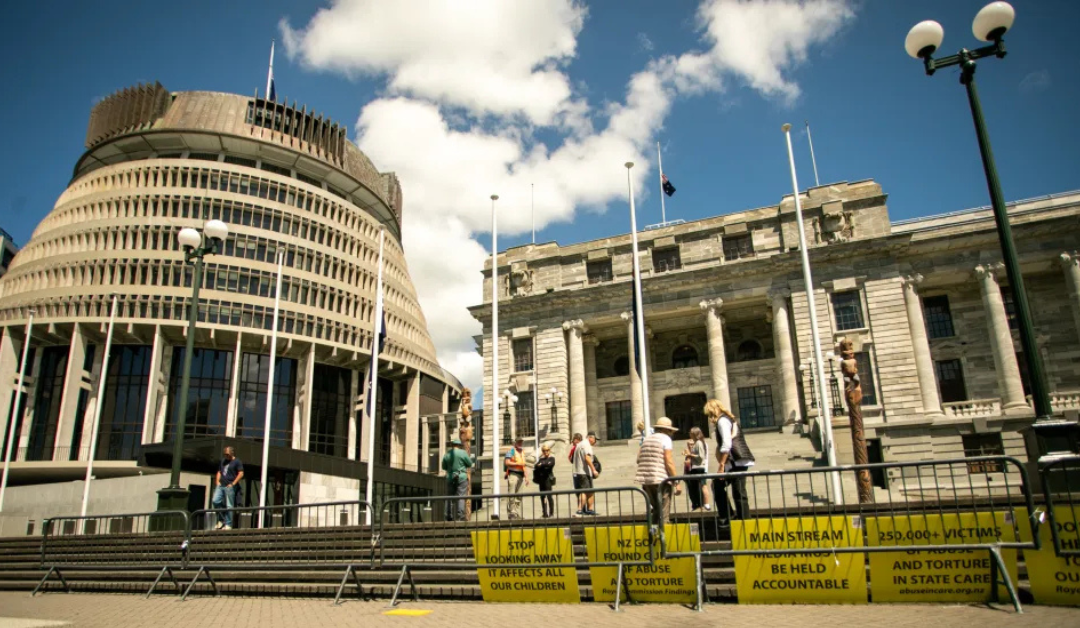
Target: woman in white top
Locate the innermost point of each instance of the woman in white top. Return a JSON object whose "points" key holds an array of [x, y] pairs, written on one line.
{"points": [[733, 456], [697, 460]]}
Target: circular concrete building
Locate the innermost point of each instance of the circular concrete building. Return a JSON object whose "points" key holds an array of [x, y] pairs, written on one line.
{"points": [[285, 181]]}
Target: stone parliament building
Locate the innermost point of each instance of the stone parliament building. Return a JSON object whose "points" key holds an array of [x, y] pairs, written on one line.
{"points": [[924, 301]]}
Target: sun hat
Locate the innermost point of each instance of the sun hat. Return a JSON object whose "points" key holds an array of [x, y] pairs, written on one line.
{"points": [[664, 423]]}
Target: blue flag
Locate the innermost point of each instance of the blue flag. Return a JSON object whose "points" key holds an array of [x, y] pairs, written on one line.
{"points": [[382, 329], [273, 91]]}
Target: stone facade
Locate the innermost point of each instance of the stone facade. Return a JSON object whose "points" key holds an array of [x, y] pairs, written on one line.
{"points": [[726, 315]]}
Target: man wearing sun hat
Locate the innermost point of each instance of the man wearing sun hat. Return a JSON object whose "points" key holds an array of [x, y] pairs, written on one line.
{"points": [[654, 465], [456, 464]]}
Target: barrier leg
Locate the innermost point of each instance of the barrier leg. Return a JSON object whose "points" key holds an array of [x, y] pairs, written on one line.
{"points": [[51, 571], [699, 605], [160, 575], [345, 580], [397, 587], [176, 583], [620, 584], [997, 564], [201, 571]]}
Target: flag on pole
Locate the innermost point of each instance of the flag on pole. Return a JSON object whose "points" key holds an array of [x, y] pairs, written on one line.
{"points": [[382, 326], [669, 189], [270, 91]]}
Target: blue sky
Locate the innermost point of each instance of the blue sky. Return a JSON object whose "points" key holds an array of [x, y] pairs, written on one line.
{"points": [[426, 111]]}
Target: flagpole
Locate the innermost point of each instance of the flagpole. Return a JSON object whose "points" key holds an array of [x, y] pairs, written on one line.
{"points": [[15, 414], [660, 165], [97, 410], [819, 363], [812, 160], [270, 390], [494, 417], [536, 403], [639, 318], [373, 382], [270, 72], [532, 194]]}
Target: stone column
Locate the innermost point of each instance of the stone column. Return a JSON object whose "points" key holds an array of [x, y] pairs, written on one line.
{"points": [[412, 424], [10, 352], [592, 395], [785, 359], [1070, 263], [69, 402], [354, 392], [1008, 371], [714, 324], [234, 390], [637, 407], [153, 388], [579, 419], [924, 365]]}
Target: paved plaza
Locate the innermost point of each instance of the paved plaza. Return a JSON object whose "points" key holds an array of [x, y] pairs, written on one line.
{"points": [[19, 610]]}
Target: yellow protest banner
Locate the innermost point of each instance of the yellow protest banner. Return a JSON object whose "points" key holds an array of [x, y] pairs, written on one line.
{"points": [[520, 555], [670, 580], [1055, 579], [799, 579], [937, 576]]}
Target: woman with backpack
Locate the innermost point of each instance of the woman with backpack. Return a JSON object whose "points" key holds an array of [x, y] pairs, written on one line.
{"points": [[733, 456]]}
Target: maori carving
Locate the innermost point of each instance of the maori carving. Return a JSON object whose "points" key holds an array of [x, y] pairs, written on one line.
{"points": [[518, 283], [853, 394]]}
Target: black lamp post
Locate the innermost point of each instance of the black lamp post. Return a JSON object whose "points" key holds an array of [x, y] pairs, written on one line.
{"points": [[990, 25], [554, 396], [196, 245], [809, 377]]}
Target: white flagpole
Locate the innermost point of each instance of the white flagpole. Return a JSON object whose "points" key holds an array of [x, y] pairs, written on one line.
{"points": [[819, 363], [494, 416], [663, 210], [812, 160], [97, 410], [270, 390], [14, 419], [270, 72], [536, 404], [532, 195], [639, 319], [373, 392]]}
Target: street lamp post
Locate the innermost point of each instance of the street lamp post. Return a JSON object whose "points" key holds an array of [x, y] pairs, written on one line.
{"points": [[809, 377], [196, 245], [554, 397], [990, 25]]}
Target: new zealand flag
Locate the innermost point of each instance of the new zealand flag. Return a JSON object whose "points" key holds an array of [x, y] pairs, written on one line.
{"points": [[668, 188]]}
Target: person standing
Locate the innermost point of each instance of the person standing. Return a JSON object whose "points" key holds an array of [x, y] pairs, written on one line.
{"points": [[544, 478], [733, 456], [655, 464], [697, 460], [456, 463], [514, 466], [230, 472], [584, 474]]}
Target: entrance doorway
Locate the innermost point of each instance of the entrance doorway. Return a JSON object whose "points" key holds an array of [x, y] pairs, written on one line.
{"points": [[687, 411]]}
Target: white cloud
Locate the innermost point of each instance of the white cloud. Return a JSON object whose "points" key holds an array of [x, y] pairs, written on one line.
{"points": [[439, 70], [645, 43], [1035, 82]]}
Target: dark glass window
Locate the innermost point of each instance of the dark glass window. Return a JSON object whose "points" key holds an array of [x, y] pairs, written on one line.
{"points": [[208, 392], [939, 323], [330, 410], [1010, 307], [622, 365], [251, 413], [384, 411], [240, 161], [978, 445], [950, 375], [748, 350], [276, 169], [77, 430], [50, 390], [523, 354], [866, 379], [124, 409], [523, 412], [599, 271], [684, 357], [738, 247], [619, 420], [756, 407], [666, 259], [847, 308], [431, 395]]}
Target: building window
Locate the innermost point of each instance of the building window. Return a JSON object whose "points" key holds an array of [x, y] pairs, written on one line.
{"points": [[950, 375], [523, 355], [599, 271], [939, 322], [756, 407], [329, 432], [866, 378], [738, 247], [684, 357], [847, 308], [524, 413], [50, 389], [748, 350], [251, 410], [666, 259], [619, 421], [120, 434], [1010, 307], [622, 366], [978, 445], [208, 394]]}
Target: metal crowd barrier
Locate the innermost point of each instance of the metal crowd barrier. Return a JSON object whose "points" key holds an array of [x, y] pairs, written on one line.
{"points": [[148, 541], [330, 535], [1061, 487], [994, 488], [404, 546]]}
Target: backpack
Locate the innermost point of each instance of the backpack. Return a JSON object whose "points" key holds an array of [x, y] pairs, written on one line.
{"points": [[596, 464]]}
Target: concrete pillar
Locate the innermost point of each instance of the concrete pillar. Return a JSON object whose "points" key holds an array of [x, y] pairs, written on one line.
{"points": [[10, 351], [1008, 370], [234, 388], [33, 376], [637, 407], [579, 420], [96, 373], [1070, 263], [785, 358], [161, 384], [153, 390], [714, 324], [306, 385], [597, 423], [412, 424], [69, 401], [924, 365], [354, 390], [360, 411]]}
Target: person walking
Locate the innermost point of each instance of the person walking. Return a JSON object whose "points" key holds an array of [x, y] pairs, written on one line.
{"points": [[514, 467], [584, 474], [456, 463], [655, 464], [733, 455], [544, 478], [697, 460], [227, 481]]}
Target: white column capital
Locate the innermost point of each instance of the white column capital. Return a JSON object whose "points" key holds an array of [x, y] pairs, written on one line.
{"points": [[989, 270], [626, 316], [712, 305], [590, 340], [778, 296], [912, 281], [1069, 258], [576, 324]]}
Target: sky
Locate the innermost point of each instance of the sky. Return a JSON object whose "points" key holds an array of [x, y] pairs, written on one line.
{"points": [[542, 101]]}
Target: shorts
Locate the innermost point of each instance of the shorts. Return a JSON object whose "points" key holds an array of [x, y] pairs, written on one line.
{"points": [[582, 481]]}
